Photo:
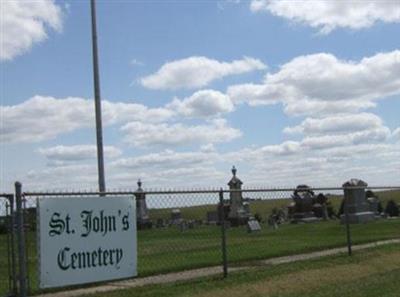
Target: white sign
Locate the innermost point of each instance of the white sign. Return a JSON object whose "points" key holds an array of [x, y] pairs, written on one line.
{"points": [[86, 239]]}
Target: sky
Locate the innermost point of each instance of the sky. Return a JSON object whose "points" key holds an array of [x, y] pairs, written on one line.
{"points": [[290, 92]]}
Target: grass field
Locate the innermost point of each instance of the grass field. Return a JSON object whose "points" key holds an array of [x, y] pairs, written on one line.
{"points": [[262, 207], [165, 250], [369, 273]]}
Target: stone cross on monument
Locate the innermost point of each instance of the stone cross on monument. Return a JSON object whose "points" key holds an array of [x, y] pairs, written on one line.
{"points": [[237, 214]]}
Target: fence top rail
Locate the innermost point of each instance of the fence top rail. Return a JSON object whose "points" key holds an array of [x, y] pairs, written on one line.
{"points": [[212, 191], [6, 195]]}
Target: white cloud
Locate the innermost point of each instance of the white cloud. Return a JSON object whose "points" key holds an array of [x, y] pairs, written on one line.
{"points": [[145, 134], [24, 23], [320, 83], [114, 112], [208, 148], [76, 153], [268, 166], [343, 123], [167, 159], [165, 168], [73, 176], [204, 103], [324, 77], [356, 151], [196, 72], [285, 148], [257, 94], [253, 156], [330, 15], [41, 118], [396, 134], [376, 135], [303, 107]]}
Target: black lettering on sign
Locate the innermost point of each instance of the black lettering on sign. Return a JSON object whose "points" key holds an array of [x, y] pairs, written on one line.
{"points": [[62, 259], [59, 225], [125, 222], [56, 224], [70, 259], [97, 223], [87, 222]]}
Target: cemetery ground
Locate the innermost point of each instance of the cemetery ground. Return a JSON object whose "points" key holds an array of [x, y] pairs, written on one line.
{"points": [[368, 273], [162, 250]]}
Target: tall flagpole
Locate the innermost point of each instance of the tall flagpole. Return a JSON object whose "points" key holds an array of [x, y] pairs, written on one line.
{"points": [[97, 101]]}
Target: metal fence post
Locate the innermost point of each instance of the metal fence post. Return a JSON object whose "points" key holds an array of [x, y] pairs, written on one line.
{"points": [[11, 246], [21, 241], [346, 214], [223, 233]]}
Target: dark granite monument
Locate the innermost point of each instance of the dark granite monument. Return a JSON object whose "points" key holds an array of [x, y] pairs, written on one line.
{"points": [[302, 210], [392, 209], [306, 207]]}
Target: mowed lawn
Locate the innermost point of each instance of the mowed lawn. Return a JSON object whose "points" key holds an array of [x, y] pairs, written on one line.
{"points": [[169, 249], [369, 273]]}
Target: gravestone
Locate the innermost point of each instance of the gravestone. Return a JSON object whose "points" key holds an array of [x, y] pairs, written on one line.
{"points": [[176, 216], [392, 209], [356, 203], [374, 203], [291, 209], [237, 213], [142, 213], [253, 226], [223, 210], [182, 225], [212, 217], [246, 207], [277, 217], [273, 221], [303, 198], [160, 223], [320, 208], [191, 224]]}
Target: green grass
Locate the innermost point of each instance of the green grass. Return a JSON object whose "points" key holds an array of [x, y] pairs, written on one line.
{"points": [[3, 265], [369, 273], [165, 250]]}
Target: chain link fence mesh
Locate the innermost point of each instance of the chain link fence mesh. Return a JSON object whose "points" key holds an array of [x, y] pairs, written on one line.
{"points": [[384, 223]]}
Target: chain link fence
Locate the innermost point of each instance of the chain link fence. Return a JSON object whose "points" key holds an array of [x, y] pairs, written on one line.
{"points": [[8, 278], [182, 230], [286, 227]]}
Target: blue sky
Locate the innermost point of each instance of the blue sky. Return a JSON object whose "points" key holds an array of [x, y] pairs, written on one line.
{"points": [[288, 91]]}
